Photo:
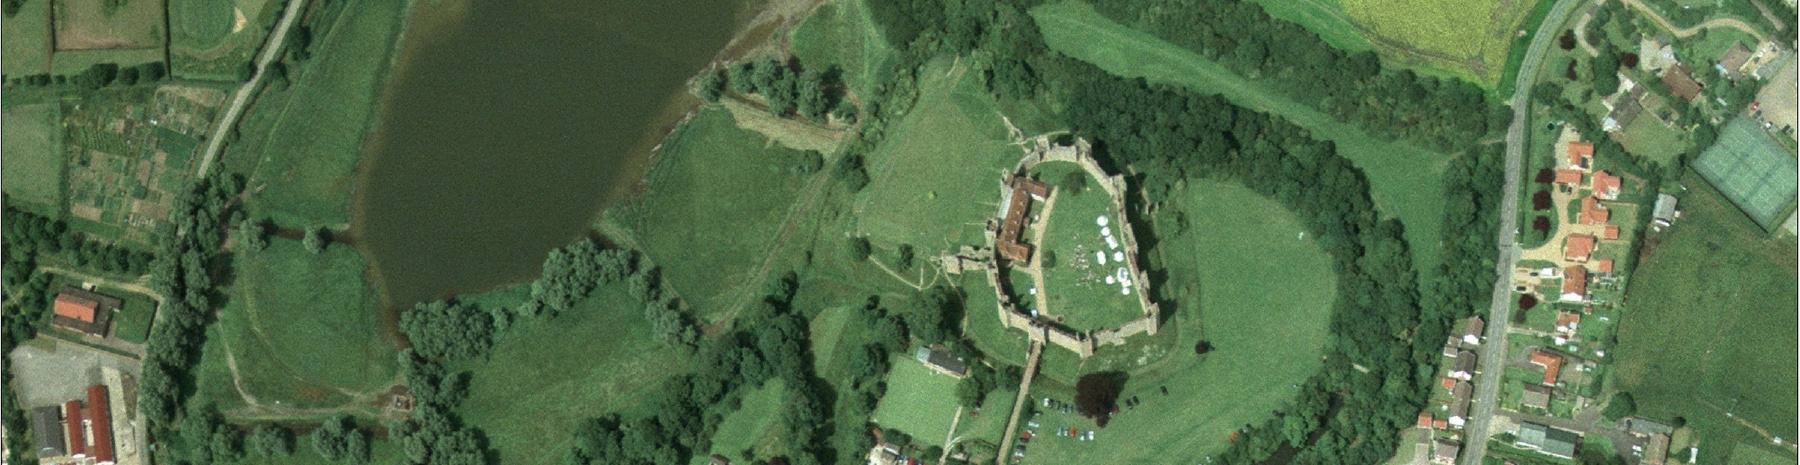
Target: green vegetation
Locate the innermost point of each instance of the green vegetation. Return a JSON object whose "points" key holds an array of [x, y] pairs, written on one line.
{"points": [[839, 34], [25, 39], [1406, 180], [920, 401], [205, 39], [1737, 357], [1323, 17], [1469, 38], [305, 147], [696, 218], [30, 135], [1075, 288], [1753, 170], [748, 427], [132, 321]]}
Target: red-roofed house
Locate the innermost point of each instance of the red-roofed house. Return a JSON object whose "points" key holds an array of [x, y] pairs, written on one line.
{"points": [[1441, 423], [1579, 248], [1604, 265], [1425, 419], [85, 311], [1592, 212], [1611, 233], [1606, 186], [1574, 286], [1567, 321], [1570, 177], [1551, 363], [1581, 155]]}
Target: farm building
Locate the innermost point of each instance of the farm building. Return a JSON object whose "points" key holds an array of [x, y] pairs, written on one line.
{"points": [[1445, 451], [76, 431], [941, 361], [83, 310], [1550, 362], [1665, 212], [1732, 62], [1579, 248], [47, 432], [1680, 79], [1581, 155], [1555, 442], [1606, 186], [1536, 396], [1574, 286], [1592, 213]]}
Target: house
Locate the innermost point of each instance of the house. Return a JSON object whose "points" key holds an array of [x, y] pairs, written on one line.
{"points": [[1459, 405], [1606, 186], [1574, 286], [1536, 396], [1655, 55], [1551, 362], [83, 310], [717, 459], [1578, 248], [1732, 62], [1592, 213], [1569, 177], [1658, 450], [941, 361], [1581, 155], [1567, 322], [1425, 420], [1665, 212], [1554, 442], [1018, 203], [1642, 427], [1604, 265], [1680, 79], [1472, 330], [1465, 366], [1610, 232], [1626, 107], [1445, 451], [47, 431], [1440, 423], [1452, 346], [884, 453]]}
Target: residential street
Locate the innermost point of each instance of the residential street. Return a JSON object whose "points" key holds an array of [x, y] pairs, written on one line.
{"points": [[1493, 352]]}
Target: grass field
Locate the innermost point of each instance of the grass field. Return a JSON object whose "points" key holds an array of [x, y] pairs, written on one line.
{"points": [[88, 25], [1751, 169], [1648, 137], [839, 33], [205, 40], [746, 428], [1470, 38], [307, 327], [132, 322], [938, 177], [1735, 356], [546, 375], [715, 201], [1323, 17], [1075, 288], [31, 138], [310, 153], [1405, 181], [25, 40], [919, 402], [1247, 284]]}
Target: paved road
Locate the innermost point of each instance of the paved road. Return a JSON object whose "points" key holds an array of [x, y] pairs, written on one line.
{"points": [[1012, 426], [271, 50], [1493, 352]]}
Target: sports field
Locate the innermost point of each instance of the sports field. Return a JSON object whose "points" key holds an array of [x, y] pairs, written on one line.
{"points": [[919, 402], [308, 157], [210, 38], [1323, 17], [1405, 181], [306, 328], [25, 40], [1749, 167], [1078, 289], [93, 25], [31, 138], [1468, 38], [1249, 285], [1737, 354], [715, 201], [746, 428], [937, 179]]}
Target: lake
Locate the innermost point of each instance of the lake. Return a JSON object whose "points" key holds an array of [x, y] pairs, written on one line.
{"points": [[508, 125]]}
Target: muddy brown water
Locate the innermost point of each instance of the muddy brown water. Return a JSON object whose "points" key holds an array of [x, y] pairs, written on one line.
{"points": [[508, 125]]}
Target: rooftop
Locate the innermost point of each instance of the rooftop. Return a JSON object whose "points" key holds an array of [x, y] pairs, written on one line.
{"points": [[1536, 396], [1570, 177], [83, 310], [1581, 154], [1681, 82], [1606, 186], [1551, 441], [1579, 248], [1551, 362], [1574, 286], [1592, 212]]}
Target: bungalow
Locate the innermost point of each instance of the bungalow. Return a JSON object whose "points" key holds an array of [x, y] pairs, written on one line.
{"points": [[1681, 82], [83, 310], [1574, 286], [1569, 177], [1554, 442], [1732, 62], [1472, 330], [1606, 186], [941, 361], [1445, 451], [1465, 366], [1536, 396], [1665, 212], [1579, 248], [1459, 405], [1551, 363], [1581, 155], [1592, 213]]}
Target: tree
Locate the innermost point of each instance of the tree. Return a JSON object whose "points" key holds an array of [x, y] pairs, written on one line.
{"points": [[850, 170], [251, 235], [1074, 183], [441, 330], [859, 249], [974, 386], [356, 447], [269, 440], [571, 273], [1047, 259], [127, 76], [330, 439], [1527, 301], [1096, 394], [316, 239], [1606, 72], [1540, 201], [903, 258], [1621, 406], [711, 85]]}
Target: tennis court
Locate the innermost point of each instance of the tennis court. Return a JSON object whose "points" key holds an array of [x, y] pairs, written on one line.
{"points": [[1752, 170]]}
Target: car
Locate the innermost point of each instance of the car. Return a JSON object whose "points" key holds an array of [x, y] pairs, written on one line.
{"points": [[1032, 424]]}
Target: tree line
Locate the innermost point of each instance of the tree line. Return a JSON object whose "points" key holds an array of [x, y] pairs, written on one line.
{"points": [[788, 88], [183, 273], [97, 76]]}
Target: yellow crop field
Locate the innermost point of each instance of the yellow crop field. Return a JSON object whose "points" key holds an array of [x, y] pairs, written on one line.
{"points": [[1465, 38]]}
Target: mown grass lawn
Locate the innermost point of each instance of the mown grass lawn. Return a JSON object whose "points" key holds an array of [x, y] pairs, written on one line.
{"points": [[745, 428], [1076, 289], [1734, 355], [25, 40], [919, 401], [1247, 283], [937, 177], [31, 138], [1405, 181], [715, 202], [132, 322]]}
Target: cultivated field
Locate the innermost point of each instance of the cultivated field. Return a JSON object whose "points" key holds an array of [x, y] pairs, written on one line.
{"points": [[1404, 181], [311, 141], [25, 40], [748, 427], [210, 39], [1749, 167], [715, 202], [32, 170], [1246, 283], [919, 401], [93, 25], [1075, 289], [1323, 17], [306, 329], [1737, 355], [937, 178], [1468, 38]]}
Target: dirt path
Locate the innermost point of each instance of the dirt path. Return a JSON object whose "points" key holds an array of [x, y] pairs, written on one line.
{"points": [[271, 49], [1581, 33], [1685, 32], [137, 286]]}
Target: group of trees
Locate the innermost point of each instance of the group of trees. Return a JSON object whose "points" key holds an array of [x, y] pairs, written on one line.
{"points": [[99, 75], [182, 273], [433, 434], [572, 272], [338, 440], [785, 85]]}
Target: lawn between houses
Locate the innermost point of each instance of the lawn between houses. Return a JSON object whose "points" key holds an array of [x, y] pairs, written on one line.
{"points": [[1712, 328]]}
